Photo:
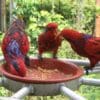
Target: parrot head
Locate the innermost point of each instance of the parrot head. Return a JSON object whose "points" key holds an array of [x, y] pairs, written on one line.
{"points": [[70, 34], [19, 22], [17, 67], [51, 26], [17, 26]]}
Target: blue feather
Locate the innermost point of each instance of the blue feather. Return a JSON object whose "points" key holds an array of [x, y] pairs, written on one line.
{"points": [[13, 49], [87, 36]]}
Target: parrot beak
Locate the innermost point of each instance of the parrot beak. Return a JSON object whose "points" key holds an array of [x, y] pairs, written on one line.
{"points": [[27, 60], [45, 30]]}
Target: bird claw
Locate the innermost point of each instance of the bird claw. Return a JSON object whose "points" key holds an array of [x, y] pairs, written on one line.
{"points": [[40, 57], [27, 60], [54, 56], [87, 70]]}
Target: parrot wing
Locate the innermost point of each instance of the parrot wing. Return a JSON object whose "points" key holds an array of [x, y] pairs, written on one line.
{"points": [[10, 48], [13, 49], [5, 43], [24, 44], [92, 47]]}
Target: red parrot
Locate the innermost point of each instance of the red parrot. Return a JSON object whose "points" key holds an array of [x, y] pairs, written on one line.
{"points": [[84, 45], [15, 45], [50, 40]]}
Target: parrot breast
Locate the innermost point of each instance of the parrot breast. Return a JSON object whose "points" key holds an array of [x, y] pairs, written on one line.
{"points": [[13, 48]]}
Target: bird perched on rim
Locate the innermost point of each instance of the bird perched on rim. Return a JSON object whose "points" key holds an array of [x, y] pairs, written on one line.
{"points": [[50, 40], [85, 45], [15, 45]]}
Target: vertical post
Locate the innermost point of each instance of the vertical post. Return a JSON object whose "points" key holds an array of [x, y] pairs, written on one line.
{"points": [[0, 15], [94, 21], [59, 5], [53, 6], [80, 15], [3, 15], [0, 81], [97, 23], [11, 7], [41, 4]]}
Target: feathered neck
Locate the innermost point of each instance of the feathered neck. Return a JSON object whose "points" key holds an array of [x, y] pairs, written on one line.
{"points": [[70, 34]]}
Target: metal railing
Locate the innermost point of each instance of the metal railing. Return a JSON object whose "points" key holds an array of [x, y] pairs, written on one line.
{"points": [[24, 91]]}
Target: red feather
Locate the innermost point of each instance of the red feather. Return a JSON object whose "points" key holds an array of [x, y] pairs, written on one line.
{"points": [[21, 65], [22, 41], [50, 40], [15, 45], [84, 45]]}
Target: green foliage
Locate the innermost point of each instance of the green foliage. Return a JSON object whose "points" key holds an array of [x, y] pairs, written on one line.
{"points": [[3, 91], [65, 51], [1, 37], [90, 92], [98, 10], [37, 13]]}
